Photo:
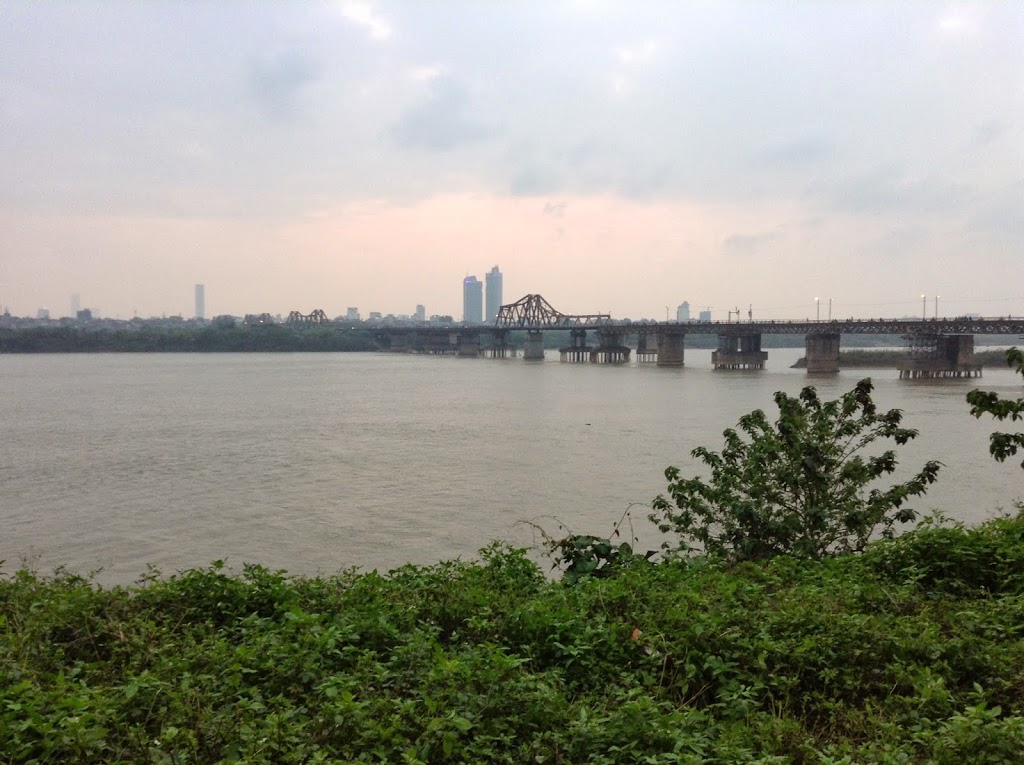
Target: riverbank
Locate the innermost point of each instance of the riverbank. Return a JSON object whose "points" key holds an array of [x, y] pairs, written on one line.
{"points": [[910, 652], [889, 359], [211, 339]]}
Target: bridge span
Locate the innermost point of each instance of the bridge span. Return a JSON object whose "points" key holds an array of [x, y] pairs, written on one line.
{"points": [[938, 347]]}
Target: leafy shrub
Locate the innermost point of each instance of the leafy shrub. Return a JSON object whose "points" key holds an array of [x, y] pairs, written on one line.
{"points": [[798, 487], [988, 558], [1001, 445]]}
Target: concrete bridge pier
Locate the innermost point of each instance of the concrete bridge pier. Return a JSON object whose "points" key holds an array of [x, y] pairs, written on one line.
{"points": [[439, 344], [611, 347], [644, 353], [577, 352], [499, 347], [401, 343], [933, 356], [739, 352], [822, 353], [534, 350], [469, 344], [671, 347]]}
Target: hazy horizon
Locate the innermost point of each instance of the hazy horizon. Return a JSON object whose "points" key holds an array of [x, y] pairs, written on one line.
{"points": [[620, 158]]}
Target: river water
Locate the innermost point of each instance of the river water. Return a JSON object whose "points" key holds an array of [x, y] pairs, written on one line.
{"points": [[318, 462]]}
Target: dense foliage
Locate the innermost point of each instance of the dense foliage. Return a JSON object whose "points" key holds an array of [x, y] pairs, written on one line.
{"points": [[209, 339], [1002, 445], [800, 486], [911, 652]]}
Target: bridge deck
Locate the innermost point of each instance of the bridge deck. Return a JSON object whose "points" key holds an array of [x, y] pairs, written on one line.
{"points": [[954, 326]]}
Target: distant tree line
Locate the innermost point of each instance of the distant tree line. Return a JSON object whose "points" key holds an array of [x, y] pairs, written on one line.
{"points": [[212, 339]]}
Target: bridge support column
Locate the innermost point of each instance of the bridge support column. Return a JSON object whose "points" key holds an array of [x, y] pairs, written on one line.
{"points": [[671, 348], [822, 353], [611, 347], [931, 356], [577, 351], [739, 352], [469, 344], [534, 350], [499, 347], [644, 352]]}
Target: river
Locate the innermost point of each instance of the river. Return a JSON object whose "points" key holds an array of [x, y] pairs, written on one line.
{"points": [[318, 462]]}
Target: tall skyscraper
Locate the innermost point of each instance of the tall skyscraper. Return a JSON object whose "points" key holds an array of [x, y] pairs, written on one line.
{"points": [[421, 313], [683, 312], [493, 281], [200, 301], [472, 300], [76, 304]]}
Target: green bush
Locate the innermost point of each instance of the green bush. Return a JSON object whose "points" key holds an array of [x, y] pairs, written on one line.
{"points": [[911, 652], [801, 486]]}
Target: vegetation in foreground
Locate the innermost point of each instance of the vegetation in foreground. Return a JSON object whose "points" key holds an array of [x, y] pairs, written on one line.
{"points": [[910, 652], [1002, 445]]}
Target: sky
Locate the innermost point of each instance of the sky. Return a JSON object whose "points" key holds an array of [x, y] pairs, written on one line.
{"points": [[615, 157]]}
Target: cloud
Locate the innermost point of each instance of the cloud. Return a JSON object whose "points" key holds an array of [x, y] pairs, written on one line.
{"points": [[364, 15], [277, 83], [998, 217], [426, 73], [751, 244], [888, 189], [987, 133], [800, 151], [638, 54], [441, 123]]}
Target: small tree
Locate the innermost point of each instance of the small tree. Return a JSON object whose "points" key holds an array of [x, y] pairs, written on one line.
{"points": [[1001, 445], [798, 487]]}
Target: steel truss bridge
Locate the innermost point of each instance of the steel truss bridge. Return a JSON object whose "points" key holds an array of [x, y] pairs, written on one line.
{"points": [[533, 312], [938, 347]]}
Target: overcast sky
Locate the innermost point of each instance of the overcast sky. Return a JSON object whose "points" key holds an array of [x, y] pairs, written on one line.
{"points": [[613, 156]]}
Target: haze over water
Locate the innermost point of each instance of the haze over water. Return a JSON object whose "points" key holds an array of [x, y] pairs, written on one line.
{"points": [[317, 462]]}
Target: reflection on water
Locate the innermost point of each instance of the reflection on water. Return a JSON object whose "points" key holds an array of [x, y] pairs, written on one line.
{"points": [[315, 462]]}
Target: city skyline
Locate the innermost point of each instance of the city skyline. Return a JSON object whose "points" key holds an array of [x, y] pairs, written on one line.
{"points": [[612, 158]]}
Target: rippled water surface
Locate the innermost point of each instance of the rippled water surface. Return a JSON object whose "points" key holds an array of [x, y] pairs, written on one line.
{"points": [[316, 462]]}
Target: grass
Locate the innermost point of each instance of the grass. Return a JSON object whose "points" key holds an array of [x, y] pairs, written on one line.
{"points": [[910, 652]]}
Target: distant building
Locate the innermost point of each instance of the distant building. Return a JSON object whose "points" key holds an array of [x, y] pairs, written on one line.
{"points": [[200, 301], [493, 280], [76, 304], [352, 314], [376, 316], [83, 314], [421, 313], [472, 300], [43, 313], [705, 316], [683, 312]]}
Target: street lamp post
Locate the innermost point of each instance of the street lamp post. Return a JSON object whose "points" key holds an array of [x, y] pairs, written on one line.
{"points": [[830, 309], [937, 306], [817, 309], [924, 307]]}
